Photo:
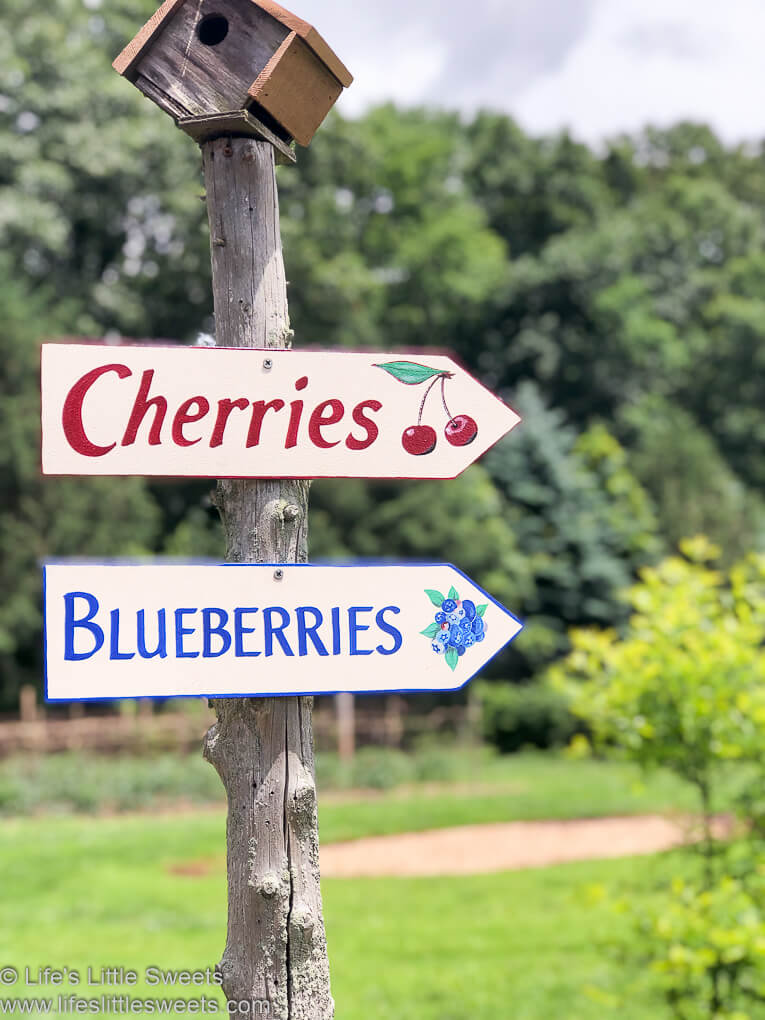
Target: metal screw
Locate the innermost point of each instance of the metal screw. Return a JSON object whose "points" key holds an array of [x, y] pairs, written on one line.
{"points": [[278, 574], [268, 364]]}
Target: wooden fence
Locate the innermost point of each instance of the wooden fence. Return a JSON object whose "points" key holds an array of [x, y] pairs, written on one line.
{"points": [[146, 731]]}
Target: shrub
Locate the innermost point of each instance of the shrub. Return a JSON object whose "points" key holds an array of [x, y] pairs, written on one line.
{"points": [[74, 782], [682, 688], [380, 768], [705, 947], [436, 763], [531, 715], [332, 773]]}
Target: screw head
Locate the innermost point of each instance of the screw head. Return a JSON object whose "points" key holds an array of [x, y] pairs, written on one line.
{"points": [[268, 364], [278, 574]]}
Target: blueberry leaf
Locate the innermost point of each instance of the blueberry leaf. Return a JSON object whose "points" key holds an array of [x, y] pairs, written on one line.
{"points": [[409, 372], [452, 657], [435, 597], [480, 610], [431, 630], [453, 593]]}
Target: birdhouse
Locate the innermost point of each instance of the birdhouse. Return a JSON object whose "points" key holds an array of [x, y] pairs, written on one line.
{"points": [[240, 67]]}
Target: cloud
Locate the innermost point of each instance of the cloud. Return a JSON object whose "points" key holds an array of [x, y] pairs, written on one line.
{"points": [[657, 61], [677, 39], [599, 67], [445, 53]]}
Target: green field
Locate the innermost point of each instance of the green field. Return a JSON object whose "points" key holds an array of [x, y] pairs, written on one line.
{"points": [[143, 890], [149, 889], [517, 787], [522, 946]]}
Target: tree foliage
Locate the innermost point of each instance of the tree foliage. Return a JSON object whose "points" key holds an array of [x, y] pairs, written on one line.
{"points": [[582, 521], [616, 297], [45, 518]]}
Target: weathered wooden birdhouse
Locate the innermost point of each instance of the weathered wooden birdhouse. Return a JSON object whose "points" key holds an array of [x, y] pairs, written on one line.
{"points": [[244, 67]]}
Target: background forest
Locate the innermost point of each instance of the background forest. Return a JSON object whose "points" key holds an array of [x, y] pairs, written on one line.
{"points": [[614, 298]]}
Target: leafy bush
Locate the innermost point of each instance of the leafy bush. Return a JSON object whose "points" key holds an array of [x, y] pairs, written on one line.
{"points": [[436, 762], [683, 689], [532, 715], [381, 768], [74, 782], [85, 783], [332, 773], [706, 947]]}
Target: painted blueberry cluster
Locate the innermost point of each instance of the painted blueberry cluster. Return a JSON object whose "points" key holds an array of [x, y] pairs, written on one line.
{"points": [[459, 624]]}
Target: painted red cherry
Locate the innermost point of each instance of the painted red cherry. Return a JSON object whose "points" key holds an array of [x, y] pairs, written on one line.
{"points": [[461, 430], [419, 439]]}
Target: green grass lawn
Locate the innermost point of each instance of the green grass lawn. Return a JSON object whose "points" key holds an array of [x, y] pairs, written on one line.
{"points": [[516, 787], [111, 891], [519, 946]]}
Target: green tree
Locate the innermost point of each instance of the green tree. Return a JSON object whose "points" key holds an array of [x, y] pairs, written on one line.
{"points": [[731, 392], [98, 193], [608, 313], [579, 518], [47, 517], [533, 189], [692, 485], [384, 243]]}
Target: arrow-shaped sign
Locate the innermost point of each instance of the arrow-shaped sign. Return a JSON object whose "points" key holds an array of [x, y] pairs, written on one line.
{"points": [[159, 630], [227, 413]]}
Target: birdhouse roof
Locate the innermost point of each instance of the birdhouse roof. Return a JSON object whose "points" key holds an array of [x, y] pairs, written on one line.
{"points": [[135, 49]]}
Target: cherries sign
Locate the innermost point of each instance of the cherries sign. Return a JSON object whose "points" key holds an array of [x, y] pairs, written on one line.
{"points": [[227, 413]]}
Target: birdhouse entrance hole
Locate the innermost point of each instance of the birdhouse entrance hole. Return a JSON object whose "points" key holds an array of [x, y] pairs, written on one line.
{"points": [[212, 30]]}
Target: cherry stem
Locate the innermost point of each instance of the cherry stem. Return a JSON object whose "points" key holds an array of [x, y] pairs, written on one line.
{"points": [[427, 391], [443, 397]]}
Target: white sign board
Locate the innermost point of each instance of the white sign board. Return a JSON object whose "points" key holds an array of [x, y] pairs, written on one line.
{"points": [[226, 413], [167, 630]]}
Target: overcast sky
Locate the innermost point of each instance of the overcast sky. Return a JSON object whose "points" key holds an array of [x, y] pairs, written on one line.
{"points": [[596, 66]]}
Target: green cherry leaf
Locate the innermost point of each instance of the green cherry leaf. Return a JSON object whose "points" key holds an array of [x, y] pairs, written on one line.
{"points": [[482, 609], [452, 658], [435, 596], [431, 630], [409, 372], [453, 593]]}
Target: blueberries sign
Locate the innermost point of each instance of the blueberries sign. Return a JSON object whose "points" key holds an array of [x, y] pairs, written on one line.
{"points": [[169, 630], [234, 413]]}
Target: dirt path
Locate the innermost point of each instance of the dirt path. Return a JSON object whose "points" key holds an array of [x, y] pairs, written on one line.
{"points": [[509, 846]]}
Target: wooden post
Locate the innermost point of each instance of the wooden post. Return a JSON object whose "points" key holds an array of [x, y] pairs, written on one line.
{"points": [[473, 715], [263, 748], [394, 722], [28, 703], [346, 726]]}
